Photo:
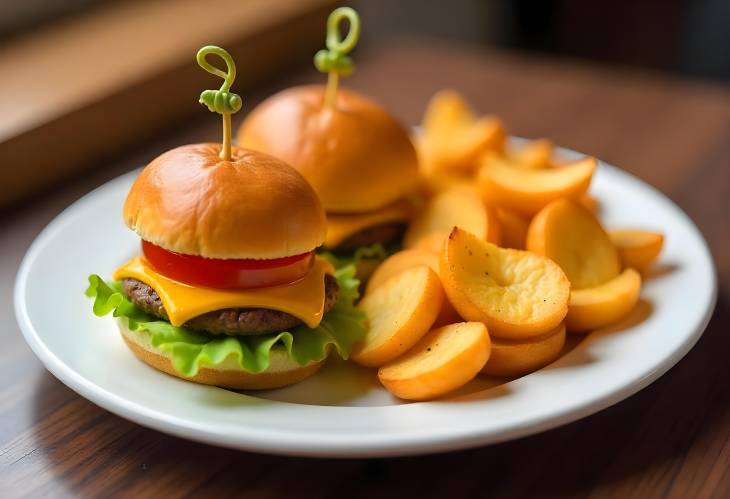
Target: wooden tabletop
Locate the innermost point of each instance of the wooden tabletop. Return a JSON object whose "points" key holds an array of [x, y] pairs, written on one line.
{"points": [[672, 439]]}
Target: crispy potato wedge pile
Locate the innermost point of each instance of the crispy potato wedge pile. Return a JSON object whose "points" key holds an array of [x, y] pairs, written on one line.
{"points": [[506, 255]]}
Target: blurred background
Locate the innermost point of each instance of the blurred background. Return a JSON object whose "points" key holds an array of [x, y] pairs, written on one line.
{"points": [[689, 37], [68, 65]]}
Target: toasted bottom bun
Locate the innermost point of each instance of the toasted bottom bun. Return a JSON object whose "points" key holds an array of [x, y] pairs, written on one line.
{"points": [[282, 371]]}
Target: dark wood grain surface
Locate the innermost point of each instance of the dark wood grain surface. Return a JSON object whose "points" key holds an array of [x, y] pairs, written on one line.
{"points": [[670, 440]]}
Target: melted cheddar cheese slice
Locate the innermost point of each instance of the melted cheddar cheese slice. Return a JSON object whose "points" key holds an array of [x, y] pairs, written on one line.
{"points": [[303, 299], [342, 226]]}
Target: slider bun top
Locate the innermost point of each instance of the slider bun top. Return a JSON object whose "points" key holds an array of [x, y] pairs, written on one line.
{"points": [[356, 156], [190, 201]]}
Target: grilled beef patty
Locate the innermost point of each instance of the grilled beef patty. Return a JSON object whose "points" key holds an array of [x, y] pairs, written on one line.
{"points": [[230, 321], [384, 234]]}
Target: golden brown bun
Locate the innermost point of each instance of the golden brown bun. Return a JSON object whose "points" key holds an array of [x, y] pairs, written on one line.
{"points": [[190, 201], [355, 155], [282, 371]]}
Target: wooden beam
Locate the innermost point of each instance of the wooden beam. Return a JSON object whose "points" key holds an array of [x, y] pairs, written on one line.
{"points": [[92, 85]]}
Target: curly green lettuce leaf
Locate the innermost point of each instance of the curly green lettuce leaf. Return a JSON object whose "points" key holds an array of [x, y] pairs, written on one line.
{"points": [[375, 252], [341, 328]]}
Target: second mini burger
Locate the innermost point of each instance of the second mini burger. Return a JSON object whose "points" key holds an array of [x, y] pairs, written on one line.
{"points": [[358, 158]]}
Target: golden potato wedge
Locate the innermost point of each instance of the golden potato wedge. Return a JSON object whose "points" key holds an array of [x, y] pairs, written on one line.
{"points": [[526, 190], [637, 249], [536, 154], [446, 110], [461, 150], [517, 294], [459, 206], [433, 242], [442, 361], [514, 228], [431, 180], [602, 305], [511, 358], [572, 237], [400, 261], [590, 203], [453, 137], [407, 259], [400, 311]]}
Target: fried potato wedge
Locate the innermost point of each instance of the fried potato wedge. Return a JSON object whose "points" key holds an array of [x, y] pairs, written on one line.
{"points": [[459, 206], [514, 228], [511, 358], [637, 249], [399, 311], [535, 154], [446, 111], [605, 304], [407, 259], [526, 190], [517, 294], [461, 150], [400, 261], [591, 203], [442, 361], [572, 237], [433, 242], [454, 138], [431, 181]]}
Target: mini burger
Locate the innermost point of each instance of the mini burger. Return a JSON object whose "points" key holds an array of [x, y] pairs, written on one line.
{"points": [[358, 158], [227, 289]]}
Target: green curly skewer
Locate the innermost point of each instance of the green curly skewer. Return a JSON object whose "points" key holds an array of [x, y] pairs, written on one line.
{"points": [[221, 101], [334, 60]]}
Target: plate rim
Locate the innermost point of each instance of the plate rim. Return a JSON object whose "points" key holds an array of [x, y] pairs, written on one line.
{"points": [[286, 442]]}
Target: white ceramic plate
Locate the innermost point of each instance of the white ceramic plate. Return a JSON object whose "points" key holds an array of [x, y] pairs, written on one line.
{"points": [[342, 411]]}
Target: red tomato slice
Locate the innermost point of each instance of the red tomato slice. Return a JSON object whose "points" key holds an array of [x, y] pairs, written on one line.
{"points": [[227, 273]]}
